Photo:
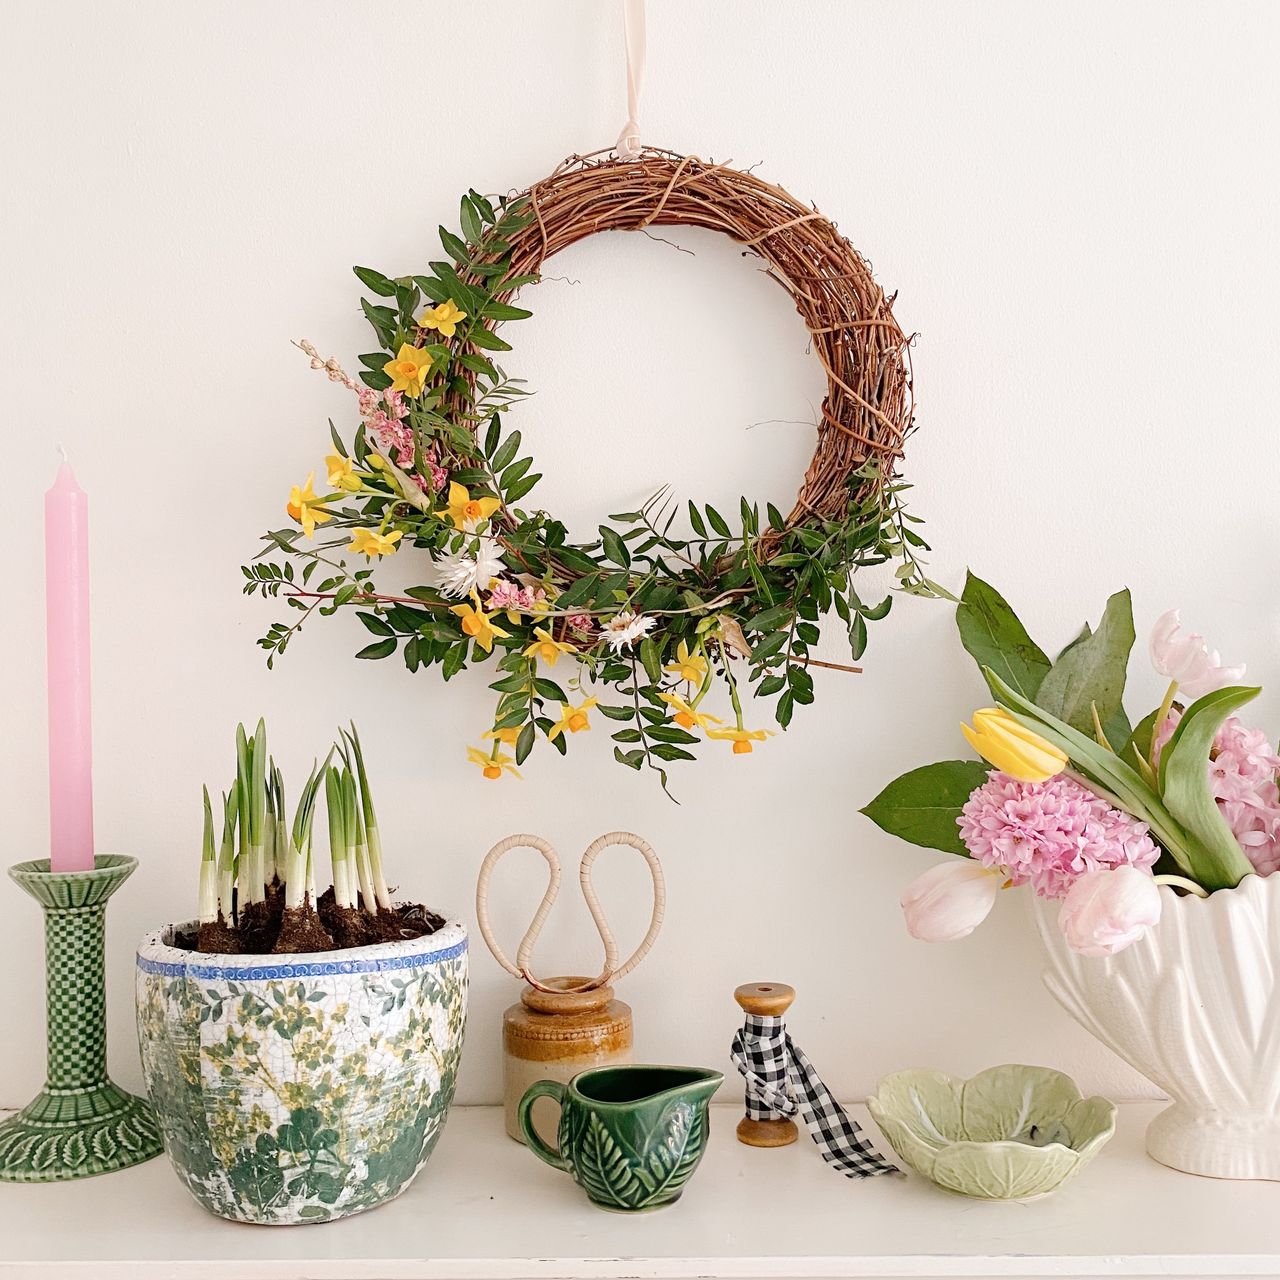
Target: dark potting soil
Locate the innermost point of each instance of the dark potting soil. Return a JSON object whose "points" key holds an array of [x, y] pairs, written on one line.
{"points": [[265, 928]]}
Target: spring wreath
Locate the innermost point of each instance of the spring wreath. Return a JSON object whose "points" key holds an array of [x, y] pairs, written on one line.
{"points": [[641, 624]]}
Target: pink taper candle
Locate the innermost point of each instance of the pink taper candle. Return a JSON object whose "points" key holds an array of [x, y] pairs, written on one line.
{"points": [[66, 577]]}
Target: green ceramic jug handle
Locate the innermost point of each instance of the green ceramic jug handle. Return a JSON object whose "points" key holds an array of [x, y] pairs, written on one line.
{"points": [[541, 1089]]}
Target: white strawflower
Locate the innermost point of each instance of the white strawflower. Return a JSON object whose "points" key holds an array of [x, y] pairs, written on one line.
{"points": [[625, 628], [460, 573]]}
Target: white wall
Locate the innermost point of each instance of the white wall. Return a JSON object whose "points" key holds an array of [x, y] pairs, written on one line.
{"points": [[1076, 202]]}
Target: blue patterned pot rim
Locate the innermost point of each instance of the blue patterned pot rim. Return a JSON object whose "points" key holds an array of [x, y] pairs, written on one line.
{"points": [[156, 956]]}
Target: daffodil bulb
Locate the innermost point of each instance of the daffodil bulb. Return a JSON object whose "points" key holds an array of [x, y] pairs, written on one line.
{"points": [[1188, 660], [950, 901], [1106, 911]]}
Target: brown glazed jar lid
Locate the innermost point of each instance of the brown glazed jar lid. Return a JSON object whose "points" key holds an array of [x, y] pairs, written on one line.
{"points": [[563, 1000]]}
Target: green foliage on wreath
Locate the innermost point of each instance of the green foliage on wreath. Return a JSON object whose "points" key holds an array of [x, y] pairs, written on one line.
{"points": [[646, 620]]}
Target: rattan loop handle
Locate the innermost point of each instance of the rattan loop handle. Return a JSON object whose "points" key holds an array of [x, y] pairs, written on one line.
{"points": [[525, 950], [612, 969]]}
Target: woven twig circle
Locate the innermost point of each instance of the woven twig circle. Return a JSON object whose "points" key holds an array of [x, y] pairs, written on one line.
{"points": [[867, 411]]}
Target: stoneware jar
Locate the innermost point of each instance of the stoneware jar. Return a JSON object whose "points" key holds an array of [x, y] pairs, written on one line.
{"points": [[301, 1088], [554, 1035], [1195, 1006]]}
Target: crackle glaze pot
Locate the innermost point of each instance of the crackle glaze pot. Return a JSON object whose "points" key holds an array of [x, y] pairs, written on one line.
{"points": [[293, 1089], [1195, 1006]]}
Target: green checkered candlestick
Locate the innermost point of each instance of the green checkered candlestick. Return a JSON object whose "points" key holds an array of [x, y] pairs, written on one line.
{"points": [[80, 1123]]}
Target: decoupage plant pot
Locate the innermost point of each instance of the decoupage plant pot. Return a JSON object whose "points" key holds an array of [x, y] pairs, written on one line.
{"points": [[1194, 1006], [301, 1088]]}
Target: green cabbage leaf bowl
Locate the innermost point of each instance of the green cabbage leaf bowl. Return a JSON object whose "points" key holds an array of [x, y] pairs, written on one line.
{"points": [[1010, 1133]]}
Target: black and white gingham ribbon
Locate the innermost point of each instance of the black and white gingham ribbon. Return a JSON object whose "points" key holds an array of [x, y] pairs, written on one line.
{"points": [[781, 1081]]}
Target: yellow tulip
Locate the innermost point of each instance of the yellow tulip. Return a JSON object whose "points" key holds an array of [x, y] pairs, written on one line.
{"points": [[465, 511], [1014, 749], [408, 369], [342, 473], [494, 764], [690, 667], [687, 716], [572, 719], [479, 625], [741, 738], [547, 647], [443, 318], [306, 508], [369, 542]]}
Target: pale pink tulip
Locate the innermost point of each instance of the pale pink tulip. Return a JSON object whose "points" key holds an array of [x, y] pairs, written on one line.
{"points": [[1188, 660], [1106, 911], [950, 900]]}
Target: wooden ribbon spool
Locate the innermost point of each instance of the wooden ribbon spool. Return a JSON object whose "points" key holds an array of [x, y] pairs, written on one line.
{"points": [[766, 1000]]}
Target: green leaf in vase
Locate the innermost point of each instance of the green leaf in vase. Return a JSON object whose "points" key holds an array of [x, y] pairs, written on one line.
{"points": [[922, 806], [994, 637]]}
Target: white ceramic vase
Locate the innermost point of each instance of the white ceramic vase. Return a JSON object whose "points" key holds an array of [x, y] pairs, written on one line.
{"points": [[1195, 1006]]}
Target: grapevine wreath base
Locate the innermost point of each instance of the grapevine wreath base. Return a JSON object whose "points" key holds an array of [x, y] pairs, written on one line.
{"points": [[644, 623]]}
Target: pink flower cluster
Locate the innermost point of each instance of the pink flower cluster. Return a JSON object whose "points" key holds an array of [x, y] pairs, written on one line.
{"points": [[581, 622], [384, 414], [510, 595], [1048, 834], [1242, 776]]}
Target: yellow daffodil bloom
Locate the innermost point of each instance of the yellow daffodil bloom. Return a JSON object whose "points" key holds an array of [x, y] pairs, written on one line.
{"points": [[369, 542], [479, 625], [443, 318], [509, 736], [342, 473], [408, 369], [687, 716], [572, 719], [741, 738], [465, 511], [547, 647], [492, 765], [306, 508], [690, 667], [1014, 749]]}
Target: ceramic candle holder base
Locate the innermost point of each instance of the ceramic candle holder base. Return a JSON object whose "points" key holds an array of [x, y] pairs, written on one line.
{"points": [[79, 1124]]}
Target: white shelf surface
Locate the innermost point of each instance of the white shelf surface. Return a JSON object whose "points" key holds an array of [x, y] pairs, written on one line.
{"points": [[484, 1208]]}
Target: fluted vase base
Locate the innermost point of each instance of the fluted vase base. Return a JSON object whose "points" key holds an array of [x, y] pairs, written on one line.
{"points": [[1215, 1145]]}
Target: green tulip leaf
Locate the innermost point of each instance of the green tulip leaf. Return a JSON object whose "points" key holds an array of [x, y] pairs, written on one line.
{"points": [[994, 637], [1108, 775], [1091, 672], [1184, 785], [923, 806]]}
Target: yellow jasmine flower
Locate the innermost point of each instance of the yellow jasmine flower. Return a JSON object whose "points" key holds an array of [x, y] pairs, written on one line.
{"points": [[443, 318], [691, 667], [687, 716], [408, 369], [369, 542], [1000, 740], [492, 766], [342, 473], [509, 736], [306, 508], [479, 625], [741, 738], [464, 510], [573, 719], [547, 647]]}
